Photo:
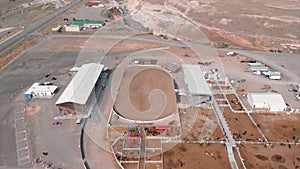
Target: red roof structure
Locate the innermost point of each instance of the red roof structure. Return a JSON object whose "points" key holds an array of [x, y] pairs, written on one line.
{"points": [[92, 3], [163, 127]]}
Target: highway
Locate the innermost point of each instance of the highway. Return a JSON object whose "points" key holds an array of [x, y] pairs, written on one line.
{"points": [[35, 26]]}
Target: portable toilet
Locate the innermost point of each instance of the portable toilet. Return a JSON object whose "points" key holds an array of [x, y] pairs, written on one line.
{"points": [[27, 95]]}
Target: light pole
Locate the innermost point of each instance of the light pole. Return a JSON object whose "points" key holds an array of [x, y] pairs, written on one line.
{"points": [[22, 34]]}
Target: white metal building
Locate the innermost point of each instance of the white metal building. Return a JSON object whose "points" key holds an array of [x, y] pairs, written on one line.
{"points": [[73, 28], [270, 101], [40, 90], [275, 76], [196, 83], [259, 68], [92, 25], [255, 64], [81, 86]]}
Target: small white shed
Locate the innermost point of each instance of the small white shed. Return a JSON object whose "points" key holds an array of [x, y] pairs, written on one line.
{"points": [[72, 28], [40, 90]]}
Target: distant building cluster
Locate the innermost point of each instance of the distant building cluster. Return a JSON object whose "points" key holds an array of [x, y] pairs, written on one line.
{"points": [[77, 26]]}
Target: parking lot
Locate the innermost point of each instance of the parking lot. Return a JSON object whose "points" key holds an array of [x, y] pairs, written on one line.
{"points": [[257, 83], [32, 66]]}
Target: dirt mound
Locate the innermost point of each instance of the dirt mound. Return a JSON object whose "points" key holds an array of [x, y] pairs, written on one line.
{"points": [[278, 158], [32, 110], [261, 157]]}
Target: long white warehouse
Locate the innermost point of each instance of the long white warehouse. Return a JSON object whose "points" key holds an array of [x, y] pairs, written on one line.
{"points": [[269, 101], [81, 86], [195, 80], [197, 87]]}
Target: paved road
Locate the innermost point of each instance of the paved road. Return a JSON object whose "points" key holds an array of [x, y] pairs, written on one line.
{"points": [[32, 28]]}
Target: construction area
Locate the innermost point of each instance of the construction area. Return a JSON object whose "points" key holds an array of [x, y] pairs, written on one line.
{"points": [[104, 87]]}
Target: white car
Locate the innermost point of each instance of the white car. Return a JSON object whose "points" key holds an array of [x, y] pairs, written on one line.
{"points": [[298, 96]]}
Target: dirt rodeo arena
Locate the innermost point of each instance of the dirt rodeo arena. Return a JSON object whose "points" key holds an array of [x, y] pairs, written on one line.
{"points": [[144, 114], [146, 99]]}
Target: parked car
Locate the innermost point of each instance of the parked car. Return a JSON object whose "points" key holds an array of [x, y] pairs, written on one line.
{"points": [[252, 61], [242, 81], [231, 53]]}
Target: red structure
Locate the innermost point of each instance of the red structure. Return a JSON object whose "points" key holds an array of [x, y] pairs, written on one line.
{"points": [[92, 3], [163, 127]]}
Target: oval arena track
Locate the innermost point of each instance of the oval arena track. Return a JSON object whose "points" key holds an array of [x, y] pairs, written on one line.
{"points": [[145, 93]]}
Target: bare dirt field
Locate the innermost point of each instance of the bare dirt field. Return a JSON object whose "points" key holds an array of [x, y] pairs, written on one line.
{"points": [[279, 127], [130, 166], [12, 53], [153, 165], [24, 12], [241, 126], [86, 43], [65, 44], [202, 125], [234, 102], [137, 94], [134, 45], [237, 24], [260, 156], [186, 156], [32, 110]]}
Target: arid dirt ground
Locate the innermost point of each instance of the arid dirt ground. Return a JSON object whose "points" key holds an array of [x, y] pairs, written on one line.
{"points": [[233, 101], [279, 127], [247, 24], [260, 156], [186, 156], [15, 51], [198, 124], [241, 126], [23, 12]]}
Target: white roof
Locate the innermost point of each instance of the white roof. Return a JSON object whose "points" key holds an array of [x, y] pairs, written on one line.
{"points": [[272, 99], [36, 88], [195, 80], [71, 26], [255, 64], [82, 84], [230, 53], [75, 69], [275, 73]]}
